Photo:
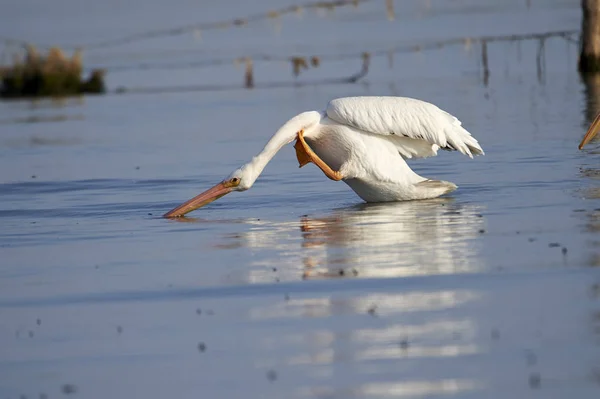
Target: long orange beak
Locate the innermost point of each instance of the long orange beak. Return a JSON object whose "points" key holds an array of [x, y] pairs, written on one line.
{"points": [[591, 133], [200, 200]]}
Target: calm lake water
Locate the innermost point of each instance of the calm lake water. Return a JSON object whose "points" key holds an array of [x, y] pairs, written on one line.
{"points": [[296, 288]]}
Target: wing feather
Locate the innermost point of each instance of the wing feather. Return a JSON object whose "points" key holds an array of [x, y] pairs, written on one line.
{"points": [[417, 128]]}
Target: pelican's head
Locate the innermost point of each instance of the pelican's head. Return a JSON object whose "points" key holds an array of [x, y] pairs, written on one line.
{"points": [[240, 180], [243, 178]]}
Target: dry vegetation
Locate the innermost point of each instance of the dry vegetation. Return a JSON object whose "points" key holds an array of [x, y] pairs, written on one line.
{"points": [[53, 74]]}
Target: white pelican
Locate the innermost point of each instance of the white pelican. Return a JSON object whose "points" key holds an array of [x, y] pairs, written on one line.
{"points": [[591, 133], [363, 141]]}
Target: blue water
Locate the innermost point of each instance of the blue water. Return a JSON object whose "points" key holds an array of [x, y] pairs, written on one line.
{"points": [[296, 288]]}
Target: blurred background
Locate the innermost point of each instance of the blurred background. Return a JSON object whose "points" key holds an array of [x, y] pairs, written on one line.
{"points": [[186, 45], [296, 288]]}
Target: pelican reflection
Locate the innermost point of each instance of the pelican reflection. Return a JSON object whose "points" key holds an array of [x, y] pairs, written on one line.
{"points": [[390, 240], [373, 240]]}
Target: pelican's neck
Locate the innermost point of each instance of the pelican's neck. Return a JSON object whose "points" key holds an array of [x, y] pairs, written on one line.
{"points": [[285, 135]]}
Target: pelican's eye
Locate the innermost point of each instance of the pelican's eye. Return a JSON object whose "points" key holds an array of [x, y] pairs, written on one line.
{"points": [[235, 181]]}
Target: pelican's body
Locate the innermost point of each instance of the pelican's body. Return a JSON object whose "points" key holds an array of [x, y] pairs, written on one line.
{"points": [[364, 142]]}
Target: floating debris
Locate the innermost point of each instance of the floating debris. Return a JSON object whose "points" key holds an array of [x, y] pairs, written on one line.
{"points": [[298, 63], [271, 375], [553, 245], [197, 34], [299, 11], [202, 347], [531, 358], [404, 344], [535, 380], [68, 389], [484, 63], [495, 334], [467, 44], [595, 290], [249, 74], [452, 213], [389, 10]]}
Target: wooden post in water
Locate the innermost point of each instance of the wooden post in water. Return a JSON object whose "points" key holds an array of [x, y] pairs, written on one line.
{"points": [[589, 59], [592, 98]]}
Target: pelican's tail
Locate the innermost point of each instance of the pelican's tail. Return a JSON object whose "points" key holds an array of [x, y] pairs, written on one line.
{"points": [[460, 139], [434, 188]]}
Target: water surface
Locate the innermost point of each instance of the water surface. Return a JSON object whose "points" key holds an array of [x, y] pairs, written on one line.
{"points": [[296, 288]]}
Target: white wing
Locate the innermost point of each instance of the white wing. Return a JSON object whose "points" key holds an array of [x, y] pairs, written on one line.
{"points": [[417, 128]]}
